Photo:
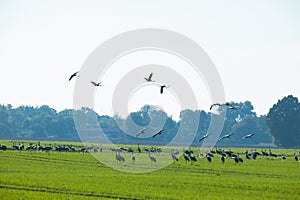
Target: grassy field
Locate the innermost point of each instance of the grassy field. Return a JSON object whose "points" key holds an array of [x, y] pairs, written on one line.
{"points": [[74, 175]]}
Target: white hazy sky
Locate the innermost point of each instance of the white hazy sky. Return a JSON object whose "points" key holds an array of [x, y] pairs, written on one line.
{"points": [[255, 46]]}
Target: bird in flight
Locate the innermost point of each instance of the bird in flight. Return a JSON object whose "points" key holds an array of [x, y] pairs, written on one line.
{"points": [[225, 136], [204, 137], [158, 133], [162, 88], [224, 104], [248, 136], [73, 75], [141, 132], [96, 84], [149, 79]]}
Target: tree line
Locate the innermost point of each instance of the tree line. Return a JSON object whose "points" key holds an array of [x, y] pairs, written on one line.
{"points": [[280, 126]]}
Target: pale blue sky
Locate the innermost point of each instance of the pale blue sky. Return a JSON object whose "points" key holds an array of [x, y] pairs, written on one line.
{"points": [[255, 45]]}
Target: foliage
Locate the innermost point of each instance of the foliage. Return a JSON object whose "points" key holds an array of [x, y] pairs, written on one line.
{"points": [[27, 122], [283, 120]]}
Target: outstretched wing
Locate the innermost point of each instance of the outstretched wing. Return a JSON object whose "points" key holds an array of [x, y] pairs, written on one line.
{"points": [[150, 76], [75, 74], [155, 135], [92, 82]]}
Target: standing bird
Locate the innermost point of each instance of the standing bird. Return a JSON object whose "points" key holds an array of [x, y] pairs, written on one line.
{"points": [[152, 158], [73, 75], [222, 158], [149, 79], [193, 158], [141, 132], [162, 88], [236, 160], [295, 157], [204, 137], [158, 133], [208, 158], [248, 136], [186, 158], [96, 84], [132, 157], [174, 157]]}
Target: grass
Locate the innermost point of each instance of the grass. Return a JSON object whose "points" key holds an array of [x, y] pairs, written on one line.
{"points": [[66, 175]]}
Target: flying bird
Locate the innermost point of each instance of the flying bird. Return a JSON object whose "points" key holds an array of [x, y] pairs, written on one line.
{"points": [[141, 132], [204, 137], [248, 136], [158, 133], [225, 136], [149, 79], [96, 84], [223, 104], [73, 75], [162, 88]]}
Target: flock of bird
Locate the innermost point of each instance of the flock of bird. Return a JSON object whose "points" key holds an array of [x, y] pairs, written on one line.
{"points": [[149, 79], [188, 155]]}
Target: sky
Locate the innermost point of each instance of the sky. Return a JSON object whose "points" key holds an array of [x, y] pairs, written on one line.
{"points": [[255, 46]]}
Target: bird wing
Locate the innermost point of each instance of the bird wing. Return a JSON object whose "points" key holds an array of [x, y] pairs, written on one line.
{"points": [[141, 132], [75, 74], [150, 76], [215, 104], [71, 77], [138, 134], [92, 82], [161, 89], [158, 133]]}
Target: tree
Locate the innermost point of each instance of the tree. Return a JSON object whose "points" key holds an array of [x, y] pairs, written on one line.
{"points": [[283, 119]]}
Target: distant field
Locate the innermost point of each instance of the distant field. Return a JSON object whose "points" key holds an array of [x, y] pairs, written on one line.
{"points": [[74, 175]]}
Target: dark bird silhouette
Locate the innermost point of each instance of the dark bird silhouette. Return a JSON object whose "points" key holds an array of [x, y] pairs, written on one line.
{"points": [[158, 133], [236, 160], [193, 158], [225, 136], [248, 136], [96, 84], [186, 158], [295, 157], [204, 137], [240, 159], [272, 154], [208, 158], [218, 104], [162, 88], [73, 75], [141, 132], [222, 158], [149, 79]]}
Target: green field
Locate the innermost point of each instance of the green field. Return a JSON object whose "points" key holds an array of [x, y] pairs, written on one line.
{"points": [[74, 175]]}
